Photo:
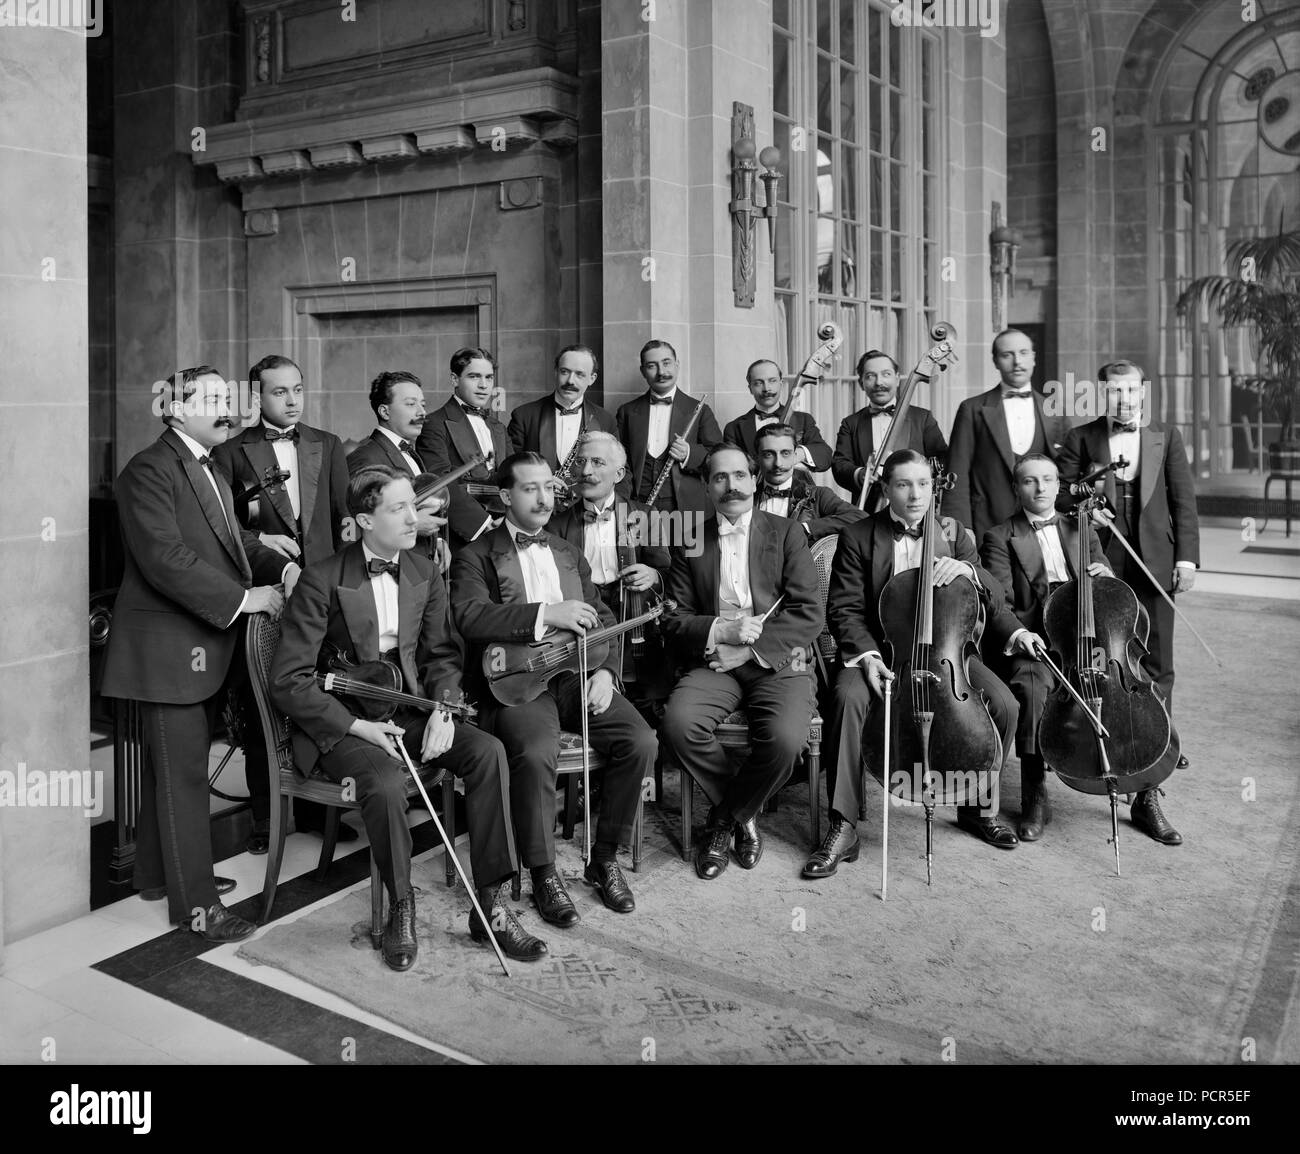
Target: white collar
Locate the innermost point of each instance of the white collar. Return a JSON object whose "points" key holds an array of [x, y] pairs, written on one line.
{"points": [[739, 525], [370, 553], [672, 394], [194, 447], [396, 438], [604, 508]]}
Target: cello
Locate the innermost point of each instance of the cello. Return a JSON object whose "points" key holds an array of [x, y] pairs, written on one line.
{"points": [[941, 723]]}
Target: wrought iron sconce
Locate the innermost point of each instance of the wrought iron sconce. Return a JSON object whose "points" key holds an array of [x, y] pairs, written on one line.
{"points": [[1004, 243], [745, 212]]}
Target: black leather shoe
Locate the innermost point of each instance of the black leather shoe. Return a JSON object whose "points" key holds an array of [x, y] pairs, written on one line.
{"points": [[1183, 763], [1147, 816], [987, 829], [1035, 812], [711, 858], [554, 903], [259, 841], [515, 941], [749, 843], [399, 942], [613, 887], [220, 925], [841, 844], [157, 893]]}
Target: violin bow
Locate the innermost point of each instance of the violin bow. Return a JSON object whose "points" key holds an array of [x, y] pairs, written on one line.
{"points": [[586, 754], [884, 817], [1041, 654], [451, 851]]}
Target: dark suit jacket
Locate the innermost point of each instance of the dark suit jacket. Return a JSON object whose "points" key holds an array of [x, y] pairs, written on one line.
{"points": [[863, 565], [322, 486], [779, 563], [171, 640], [532, 426], [634, 432], [1167, 529], [1011, 552], [823, 511], [743, 431], [377, 449], [446, 442], [333, 602], [854, 443], [980, 456], [490, 602]]}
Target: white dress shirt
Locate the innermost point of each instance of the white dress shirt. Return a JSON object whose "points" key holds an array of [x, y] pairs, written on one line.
{"points": [[734, 597], [780, 506], [600, 542], [397, 439], [384, 588], [1052, 548], [1126, 444], [286, 456], [661, 419], [567, 429], [481, 433], [1021, 420], [541, 577]]}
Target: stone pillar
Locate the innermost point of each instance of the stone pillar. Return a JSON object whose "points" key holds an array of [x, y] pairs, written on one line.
{"points": [[44, 669]]}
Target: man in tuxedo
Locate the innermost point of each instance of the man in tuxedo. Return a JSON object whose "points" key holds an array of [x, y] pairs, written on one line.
{"points": [[380, 598], [300, 517], [627, 563], [174, 645], [1153, 507], [861, 432], [653, 429], [764, 380], [785, 493], [867, 555], [1030, 554], [514, 586], [738, 656], [465, 426], [992, 430]]}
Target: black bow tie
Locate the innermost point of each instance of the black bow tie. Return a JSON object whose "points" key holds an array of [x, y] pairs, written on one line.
{"points": [[563, 412], [771, 492], [591, 516], [523, 540], [206, 462], [1016, 393], [774, 415], [901, 530], [407, 447], [1047, 523], [877, 410], [473, 410], [654, 400], [1123, 426], [378, 565], [277, 435]]}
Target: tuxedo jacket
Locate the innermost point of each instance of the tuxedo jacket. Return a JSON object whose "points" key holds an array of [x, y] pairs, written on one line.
{"points": [[863, 565], [823, 511], [854, 443], [1167, 529], [334, 602], [490, 602], [1010, 551], [377, 449], [185, 577], [322, 486], [634, 432], [779, 563], [981, 459], [447, 442], [743, 431]]}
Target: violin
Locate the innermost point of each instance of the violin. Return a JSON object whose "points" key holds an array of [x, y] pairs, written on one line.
{"points": [[373, 689], [931, 633], [428, 485], [248, 507]]}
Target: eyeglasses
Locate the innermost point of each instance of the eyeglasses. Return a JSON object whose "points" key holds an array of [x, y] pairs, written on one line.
{"points": [[581, 463]]}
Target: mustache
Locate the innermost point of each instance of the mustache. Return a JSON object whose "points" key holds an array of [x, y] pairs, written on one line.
{"points": [[223, 423], [735, 495]]}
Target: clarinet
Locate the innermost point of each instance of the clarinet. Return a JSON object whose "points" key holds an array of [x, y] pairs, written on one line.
{"points": [[668, 468]]}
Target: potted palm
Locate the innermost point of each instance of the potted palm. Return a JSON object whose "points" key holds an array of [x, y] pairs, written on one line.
{"points": [[1263, 296]]}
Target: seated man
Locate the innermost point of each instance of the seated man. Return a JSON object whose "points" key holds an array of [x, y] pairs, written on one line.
{"points": [[381, 597], [785, 493], [867, 556], [516, 584], [1030, 554], [738, 656]]}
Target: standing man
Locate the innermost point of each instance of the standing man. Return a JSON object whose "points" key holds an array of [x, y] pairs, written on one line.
{"points": [[861, 433], [1153, 500], [749, 562], [764, 381], [786, 493], [992, 430], [300, 518], [453, 434], [190, 573], [652, 427]]}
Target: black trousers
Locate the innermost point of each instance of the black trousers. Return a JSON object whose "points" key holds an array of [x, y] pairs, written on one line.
{"points": [[1030, 681], [475, 757], [531, 736], [778, 709]]}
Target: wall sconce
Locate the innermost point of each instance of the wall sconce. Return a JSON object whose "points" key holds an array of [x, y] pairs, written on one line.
{"points": [[745, 213], [1004, 243]]}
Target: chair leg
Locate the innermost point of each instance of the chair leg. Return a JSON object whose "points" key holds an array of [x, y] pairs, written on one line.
{"points": [[636, 836], [659, 778], [449, 824], [376, 905], [688, 783], [331, 839], [570, 805], [815, 789], [275, 853]]}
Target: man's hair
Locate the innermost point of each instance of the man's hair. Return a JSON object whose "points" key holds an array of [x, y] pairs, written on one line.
{"points": [[595, 364], [506, 471], [461, 358], [761, 361], [271, 361], [871, 355], [366, 487], [181, 384], [706, 466], [1028, 459], [1008, 332], [381, 388], [1119, 369], [902, 457], [775, 431], [616, 447], [655, 344]]}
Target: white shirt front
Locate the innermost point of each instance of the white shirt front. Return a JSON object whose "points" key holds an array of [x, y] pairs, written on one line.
{"points": [[661, 419], [286, 456], [411, 462], [383, 586], [780, 506], [481, 433], [600, 542], [907, 550], [567, 429], [879, 427], [1052, 548], [734, 597], [541, 577], [1021, 418], [1128, 445]]}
